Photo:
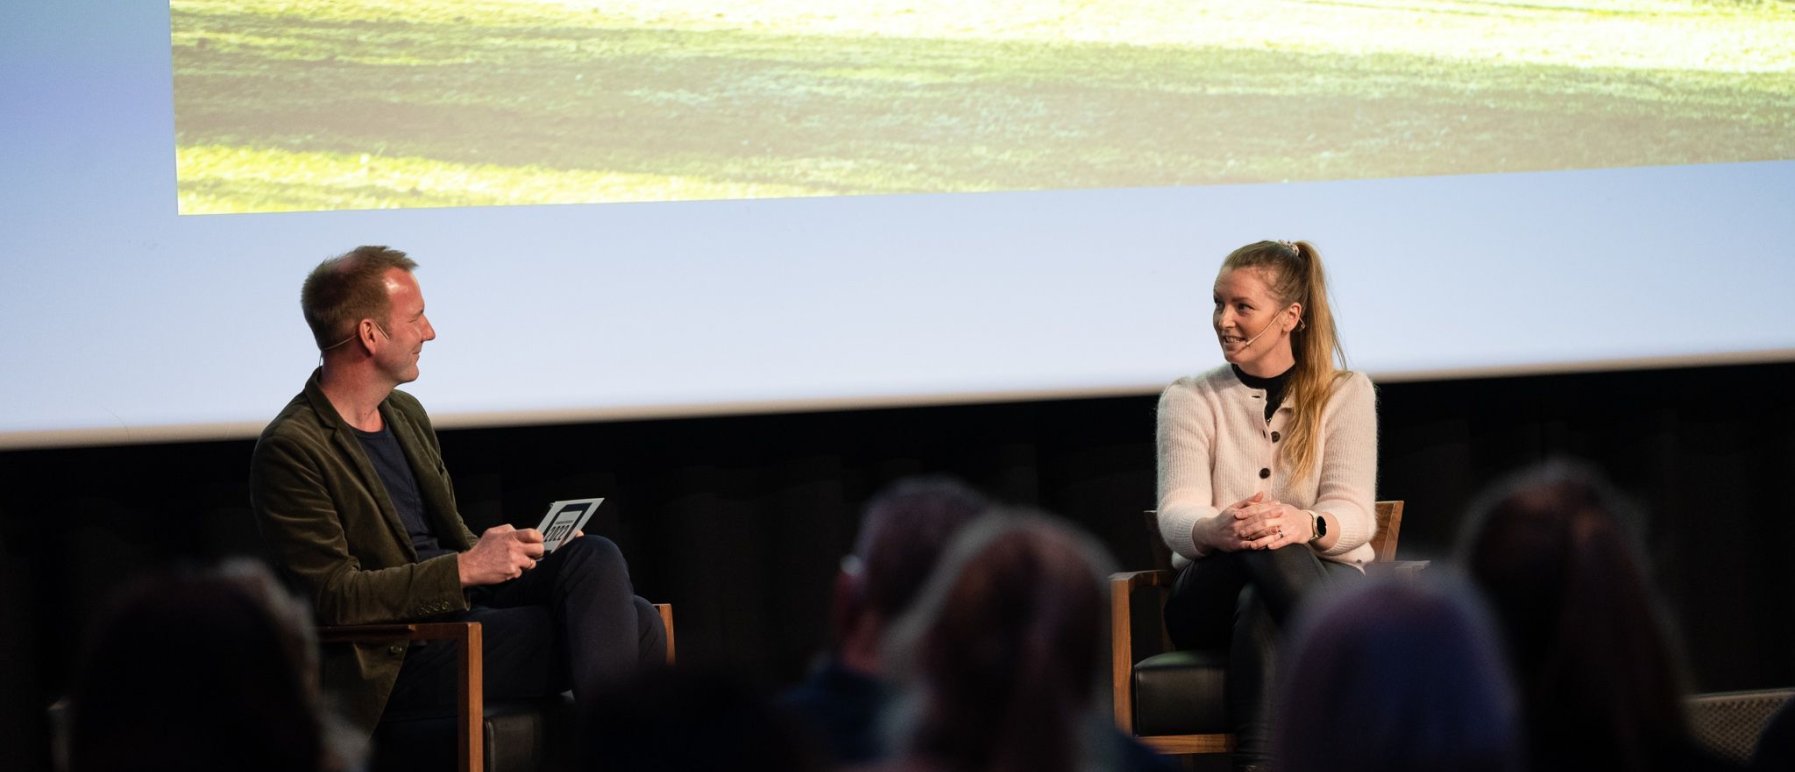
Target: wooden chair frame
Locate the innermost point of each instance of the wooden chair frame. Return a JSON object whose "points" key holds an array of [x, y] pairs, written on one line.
{"points": [[1122, 587], [470, 684]]}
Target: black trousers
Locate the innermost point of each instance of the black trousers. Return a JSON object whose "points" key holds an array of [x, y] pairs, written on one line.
{"points": [[1238, 602], [572, 622]]}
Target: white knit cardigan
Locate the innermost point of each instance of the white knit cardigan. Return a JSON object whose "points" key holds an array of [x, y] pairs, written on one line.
{"points": [[1216, 448]]}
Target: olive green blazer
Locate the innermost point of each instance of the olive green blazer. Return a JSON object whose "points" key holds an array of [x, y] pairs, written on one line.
{"points": [[329, 523]]}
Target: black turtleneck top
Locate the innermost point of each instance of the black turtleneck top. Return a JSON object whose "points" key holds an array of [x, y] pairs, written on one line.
{"points": [[1273, 386]]}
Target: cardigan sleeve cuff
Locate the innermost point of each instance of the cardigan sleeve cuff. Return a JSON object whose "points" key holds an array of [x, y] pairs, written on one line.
{"points": [[1178, 523]]}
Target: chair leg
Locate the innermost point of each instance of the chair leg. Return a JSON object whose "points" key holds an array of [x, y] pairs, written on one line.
{"points": [[666, 611], [1121, 672], [470, 724], [470, 690]]}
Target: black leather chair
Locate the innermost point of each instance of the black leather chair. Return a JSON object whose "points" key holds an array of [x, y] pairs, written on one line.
{"points": [[1172, 700], [512, 736]]}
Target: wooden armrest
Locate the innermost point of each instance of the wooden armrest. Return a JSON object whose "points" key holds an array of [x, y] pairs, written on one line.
{"points": [[354, 633], [1129, 581], [414, 631], [1396, 567]]}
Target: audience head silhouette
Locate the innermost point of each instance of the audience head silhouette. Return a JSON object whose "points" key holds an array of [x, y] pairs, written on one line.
{"points": [[906, 528], [1001, 651], [1397, 675], [200, 670], [1553, 550]]}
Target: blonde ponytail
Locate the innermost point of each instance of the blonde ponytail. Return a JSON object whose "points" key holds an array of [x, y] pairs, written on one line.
{"points": [[1294, 273]]}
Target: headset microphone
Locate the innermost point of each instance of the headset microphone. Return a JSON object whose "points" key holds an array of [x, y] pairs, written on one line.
{"points": [[1262, 332]]}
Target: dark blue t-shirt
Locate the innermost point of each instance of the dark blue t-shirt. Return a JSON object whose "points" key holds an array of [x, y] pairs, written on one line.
{"points": [[402, 489]]}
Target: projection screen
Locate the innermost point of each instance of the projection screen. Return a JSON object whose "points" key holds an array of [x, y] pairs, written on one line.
{"points": [[682, 207]]}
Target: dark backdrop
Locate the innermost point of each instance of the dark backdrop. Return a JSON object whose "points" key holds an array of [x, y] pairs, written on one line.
{"points": [[740, 521]]}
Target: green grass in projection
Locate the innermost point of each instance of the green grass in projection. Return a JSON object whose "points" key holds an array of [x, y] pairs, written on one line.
{"points": [[285, 105]]}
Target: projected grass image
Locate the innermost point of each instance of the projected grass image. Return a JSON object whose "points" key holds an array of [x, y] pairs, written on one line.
{"points": [[283, 106]]}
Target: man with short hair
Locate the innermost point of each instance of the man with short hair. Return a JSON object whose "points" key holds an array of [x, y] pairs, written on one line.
{"points": [[349, 487]]}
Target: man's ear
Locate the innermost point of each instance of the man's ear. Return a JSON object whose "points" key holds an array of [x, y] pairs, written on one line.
{"points": [[366, 334]]}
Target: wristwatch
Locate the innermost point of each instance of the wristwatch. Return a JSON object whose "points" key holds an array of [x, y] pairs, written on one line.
{"points": [[1317, 525]]}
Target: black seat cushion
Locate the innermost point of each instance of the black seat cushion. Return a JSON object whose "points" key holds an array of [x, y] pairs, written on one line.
{"points": [[521, 736], [1181, 692]]}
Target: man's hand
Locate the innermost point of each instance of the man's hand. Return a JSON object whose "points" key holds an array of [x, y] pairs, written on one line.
{"points": [[502, 553]]}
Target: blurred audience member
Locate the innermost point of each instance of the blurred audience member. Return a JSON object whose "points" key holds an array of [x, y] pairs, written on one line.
{"points": [[902, 534], [1599, 676], [1397, 675], [686, 721], [1000, 656], [202, 670]]}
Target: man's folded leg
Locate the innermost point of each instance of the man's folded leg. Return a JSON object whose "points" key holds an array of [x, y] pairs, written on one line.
{"points": [[521, 657], [573, 621], [585, 586]]}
